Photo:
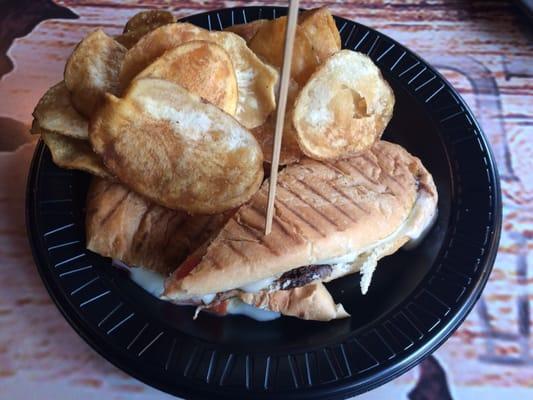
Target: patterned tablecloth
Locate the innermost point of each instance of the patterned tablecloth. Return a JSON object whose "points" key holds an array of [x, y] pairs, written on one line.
{"points": [[485, 48]]}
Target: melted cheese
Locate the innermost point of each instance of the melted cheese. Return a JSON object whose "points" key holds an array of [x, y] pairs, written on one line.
{"points": [[258, 285], [208, 298], [237, 307], [149, 280]]}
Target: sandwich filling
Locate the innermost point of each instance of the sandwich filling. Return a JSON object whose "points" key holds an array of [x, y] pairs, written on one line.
{"points": [[153, 282]]}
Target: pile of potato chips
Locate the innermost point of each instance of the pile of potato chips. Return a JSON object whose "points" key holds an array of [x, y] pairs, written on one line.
{"points": [[185, 117]]}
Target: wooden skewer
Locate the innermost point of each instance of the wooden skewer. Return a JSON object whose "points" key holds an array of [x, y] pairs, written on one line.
{"points": [[292, 20]]}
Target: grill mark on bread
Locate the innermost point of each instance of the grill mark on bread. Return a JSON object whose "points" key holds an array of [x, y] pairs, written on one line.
{"points": [[369, 161], [258, 238], [258, 210], [233, 248], [396, 180], [275, 222], [319, 194], [241, 219], [333, 223], [384, 170], [213, 261], [114, 208], [364, 174], [346, 171], [176, 227], [335, 168], [299, 216], [327, 166], [139, 243], [350, 200]]}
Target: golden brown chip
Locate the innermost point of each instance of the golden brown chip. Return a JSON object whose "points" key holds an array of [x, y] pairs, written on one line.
{"points": [[175, 149], [142, 23], [246, 31], [269, 41], [203, 68], [35, 129], [154, 45], [123, 225], [290, 149], [344, 107], [316, 39], [92, 70], [255, 79], [320, 29], [128, 40], [73, 153], [149, 19], [55, 113]]}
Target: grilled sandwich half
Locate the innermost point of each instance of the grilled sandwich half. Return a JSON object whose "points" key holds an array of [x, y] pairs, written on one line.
{"points": [[332, 218], [125, 226]]}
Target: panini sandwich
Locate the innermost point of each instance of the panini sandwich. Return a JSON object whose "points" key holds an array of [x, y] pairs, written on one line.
{"points": [[333, 218]]}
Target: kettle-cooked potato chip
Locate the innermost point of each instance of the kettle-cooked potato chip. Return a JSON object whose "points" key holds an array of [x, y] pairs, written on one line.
{"points": [[255, 79], [73, 153], [344, 107], [35, 129], [92, 70], [55, 113], [142, 23], [153, 45], [290, 149], [175, 149], [204, 68], [320, 29], [149, 19], [269, 41], [128, 40], [246, 31], [316, 39]]}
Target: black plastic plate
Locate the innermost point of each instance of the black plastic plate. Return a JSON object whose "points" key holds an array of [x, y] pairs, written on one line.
{"points": [[417, 298]]}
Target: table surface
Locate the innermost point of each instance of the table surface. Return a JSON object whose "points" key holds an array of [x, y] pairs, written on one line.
{"points": [[485, 48]]}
